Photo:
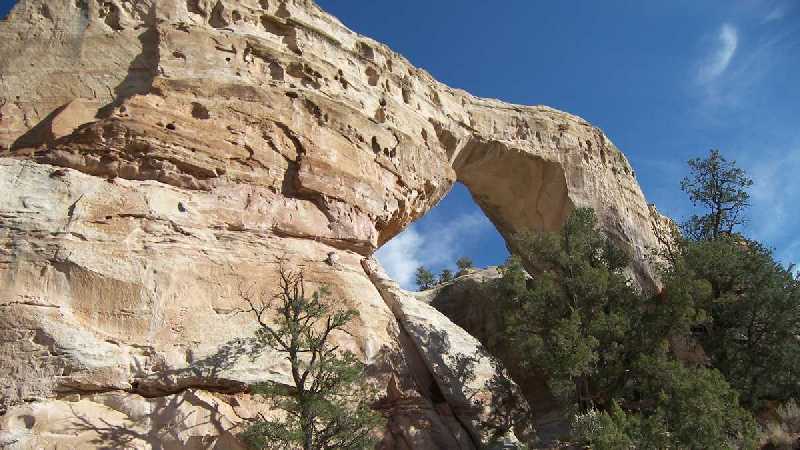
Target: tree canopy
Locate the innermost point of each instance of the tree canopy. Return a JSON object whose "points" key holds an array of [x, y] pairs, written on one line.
{"points": [[720, 188], [606, 348], [751, 303], [425, 278]]}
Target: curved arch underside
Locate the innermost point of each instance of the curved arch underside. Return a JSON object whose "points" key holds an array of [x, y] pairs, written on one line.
{"points": [[516, 190]]}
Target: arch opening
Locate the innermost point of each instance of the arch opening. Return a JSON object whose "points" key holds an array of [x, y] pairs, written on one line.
{"points": [[457, 227], [500, 191]]}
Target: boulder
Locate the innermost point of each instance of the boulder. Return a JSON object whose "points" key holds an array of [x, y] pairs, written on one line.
{"points": [[465, 378]]}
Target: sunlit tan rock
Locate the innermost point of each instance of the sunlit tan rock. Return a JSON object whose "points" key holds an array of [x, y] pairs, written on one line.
{"points": [[156, 156]]}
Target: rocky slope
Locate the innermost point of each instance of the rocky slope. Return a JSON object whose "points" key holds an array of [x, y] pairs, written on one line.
{"points": [[156, 156]]}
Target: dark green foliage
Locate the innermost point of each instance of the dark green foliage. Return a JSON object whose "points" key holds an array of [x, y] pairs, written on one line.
{"points": [[600, 343], [617, 429], [446, 276], [719, 187], [696, 404], [728, 310], [570, 319], [749, 304], [425, 278], [327, 406], [464, 264], [692, 408], [752, 308]]}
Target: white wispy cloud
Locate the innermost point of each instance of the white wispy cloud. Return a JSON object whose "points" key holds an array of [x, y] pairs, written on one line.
{"points": [[774, 10], [434, 245], [402, 255], [720, 56], [731, 78], [777, 13], [740, 65]]}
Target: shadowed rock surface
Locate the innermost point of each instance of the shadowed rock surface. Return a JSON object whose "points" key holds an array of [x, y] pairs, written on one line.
{"points": [[468, 301], [158, 155]]}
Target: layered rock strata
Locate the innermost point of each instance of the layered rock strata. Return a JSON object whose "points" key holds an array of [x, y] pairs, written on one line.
{"points": [[122, 306], [156, 156]]}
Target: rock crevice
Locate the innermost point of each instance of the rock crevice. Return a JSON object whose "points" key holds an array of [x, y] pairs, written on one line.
{"points": [[452, 367]]}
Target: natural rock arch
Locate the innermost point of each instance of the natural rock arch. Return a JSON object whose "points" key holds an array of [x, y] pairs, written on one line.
{"points": [[529, 167], [130, 215]]}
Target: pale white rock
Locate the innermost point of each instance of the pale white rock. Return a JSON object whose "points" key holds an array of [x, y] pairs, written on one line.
{"points": [[190, 420], [467, 301]]}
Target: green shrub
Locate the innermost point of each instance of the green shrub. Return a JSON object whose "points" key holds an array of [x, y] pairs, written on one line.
{"points": [[618, 430], [425, 278], [446, 276], [464, 264]]}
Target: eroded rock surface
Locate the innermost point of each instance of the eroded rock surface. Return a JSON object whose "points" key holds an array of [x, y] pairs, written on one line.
{"points": [[468, 301], [189, 420], [133, 288], [158, 155], [468, 381]]}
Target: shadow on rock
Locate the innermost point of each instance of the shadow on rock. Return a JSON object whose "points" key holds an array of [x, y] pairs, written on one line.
{"points": [[188, 420], [482, 396]]}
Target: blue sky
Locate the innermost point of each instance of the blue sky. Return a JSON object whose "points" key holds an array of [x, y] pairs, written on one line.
{"points": [[665, 80]]}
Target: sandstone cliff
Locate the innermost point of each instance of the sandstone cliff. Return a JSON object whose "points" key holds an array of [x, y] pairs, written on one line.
{"points": [[157, 155]]}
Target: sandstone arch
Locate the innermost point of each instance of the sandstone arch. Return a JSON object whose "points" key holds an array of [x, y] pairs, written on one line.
{"points": [[528, 167], [309, 138]]}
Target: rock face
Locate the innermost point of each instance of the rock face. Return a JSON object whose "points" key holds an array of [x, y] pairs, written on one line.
{"points": [[466, 301], [475, 390], [156, 156]]}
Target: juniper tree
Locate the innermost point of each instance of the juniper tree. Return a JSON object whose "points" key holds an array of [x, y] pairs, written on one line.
{"points": [[600, 342], [751, 303], [571, 318], [464, 264], [720, 188], [425, 278], [327, 404], [680, 407], [446, 276]]}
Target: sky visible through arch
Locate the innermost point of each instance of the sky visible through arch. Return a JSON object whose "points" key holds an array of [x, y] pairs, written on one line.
{"points": [[666, 81]]}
